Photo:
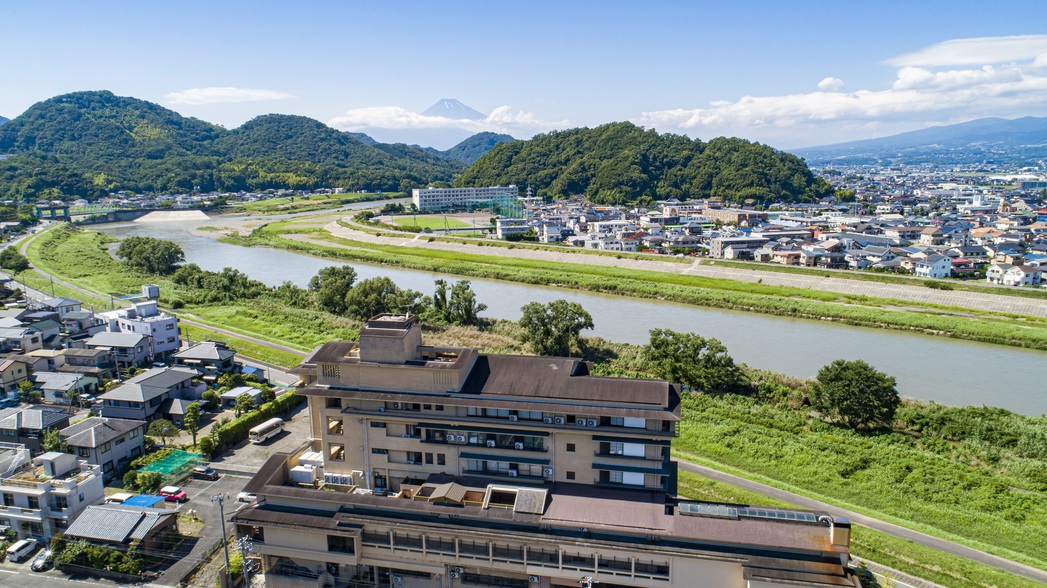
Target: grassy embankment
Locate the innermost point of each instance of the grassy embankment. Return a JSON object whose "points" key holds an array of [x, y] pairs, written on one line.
{"points": [[310, 203], [984, 326], [902, 555], [428, 221], [81, 258], [976, 476]]}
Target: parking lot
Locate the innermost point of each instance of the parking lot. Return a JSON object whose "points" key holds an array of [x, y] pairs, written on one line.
{"points": [[249, 455]]}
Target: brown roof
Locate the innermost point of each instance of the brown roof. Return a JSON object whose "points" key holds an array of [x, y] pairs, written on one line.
{"points": [[450, 491]]}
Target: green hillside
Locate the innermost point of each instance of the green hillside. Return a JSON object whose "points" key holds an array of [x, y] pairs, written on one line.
{"points": [[475, 147], [622, 163], [87, 144]]}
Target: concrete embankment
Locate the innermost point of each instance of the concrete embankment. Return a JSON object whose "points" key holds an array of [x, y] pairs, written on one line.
{"points": [[164, 216]]}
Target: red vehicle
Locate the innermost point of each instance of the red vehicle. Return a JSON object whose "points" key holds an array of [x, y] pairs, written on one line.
{"points": [[174, 494]]}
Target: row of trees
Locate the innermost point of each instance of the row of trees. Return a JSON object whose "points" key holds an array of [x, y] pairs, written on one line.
{"points": [[851, 393]]}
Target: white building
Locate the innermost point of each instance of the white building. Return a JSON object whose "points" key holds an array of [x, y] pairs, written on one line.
{"points": [[935, 266], [460, 198], [145, 318], [42, 497]]}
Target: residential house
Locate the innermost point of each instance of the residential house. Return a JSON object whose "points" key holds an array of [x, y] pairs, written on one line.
{"points": [[19, 339], [145, 318], [554, 478], [63, 388], [99, 363], [82, 324], [12, 373], [43, 497], [1014, 275], [26, 424], [933, 266], [111, 443], [129, 349], [142, 396], [210, 358], [62, 306], [117, 525]]}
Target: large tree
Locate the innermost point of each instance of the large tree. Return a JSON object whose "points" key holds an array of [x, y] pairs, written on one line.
{"points": [[191, 420], [164, 429], [856, 394], [330, 286], [155, 256], [13, 261], [692, 360], [554, 328], [379, 295]]}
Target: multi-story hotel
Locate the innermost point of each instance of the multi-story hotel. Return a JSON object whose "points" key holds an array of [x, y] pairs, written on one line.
{"points": [[432, 199], [440, 467]]}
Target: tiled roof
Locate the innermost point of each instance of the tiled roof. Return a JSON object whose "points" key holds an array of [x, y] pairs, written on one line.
{"points": [[117, 523], [94, 431]]}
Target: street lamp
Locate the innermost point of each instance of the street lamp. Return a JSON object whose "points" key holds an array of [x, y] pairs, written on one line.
{"points": [[220, 499]]}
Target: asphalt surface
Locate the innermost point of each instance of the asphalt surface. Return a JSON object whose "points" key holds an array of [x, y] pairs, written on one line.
{"points": [[876, 524]]}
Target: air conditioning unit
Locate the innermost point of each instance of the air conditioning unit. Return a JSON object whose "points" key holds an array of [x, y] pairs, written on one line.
{"points": [[460, 438], [594, 422], [456, 574], [410, 461], [533, 579], [397, 579], [396, 406], [491, 443], [513, 418], [512, 473], [548, 420], [381, 409], [559, 420], [518, 445], [579, 421], [459, 570], [548, 471]]}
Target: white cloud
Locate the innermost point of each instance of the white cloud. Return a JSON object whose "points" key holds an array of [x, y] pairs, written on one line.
{"points": [[830, 84], [223, 95], [501, 120], [921, 94], [975, 51]]}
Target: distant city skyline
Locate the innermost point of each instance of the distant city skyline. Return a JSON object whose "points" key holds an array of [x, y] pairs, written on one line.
{"points": [[787, 75]]}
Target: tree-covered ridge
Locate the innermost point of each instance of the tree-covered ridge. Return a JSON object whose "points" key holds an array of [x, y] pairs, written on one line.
{"points": [[475, 147], [3, 120], [622, 163], [88, 144]]}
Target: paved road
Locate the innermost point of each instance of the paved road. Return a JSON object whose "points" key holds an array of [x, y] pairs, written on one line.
{"points": [[876, 524], [700, 267]]}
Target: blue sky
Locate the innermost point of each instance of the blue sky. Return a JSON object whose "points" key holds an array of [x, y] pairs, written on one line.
{"points": [[786, 73]]}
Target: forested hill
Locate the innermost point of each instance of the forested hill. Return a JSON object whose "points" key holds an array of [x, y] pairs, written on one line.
{"points": [[87, 144], [622, 163], [3, 120], [473, 148]]}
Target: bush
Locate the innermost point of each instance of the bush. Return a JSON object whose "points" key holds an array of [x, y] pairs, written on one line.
{"points": [[149, 482], [206, 446], [237, 429], [211, 400], [131, 480]]}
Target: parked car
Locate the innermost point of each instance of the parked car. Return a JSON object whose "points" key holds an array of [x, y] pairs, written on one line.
{"points": [[9, 402], [21, 550], [205, 472], [119, 497], [43, 561], [247, 497], [87, 400], [174, 494]]}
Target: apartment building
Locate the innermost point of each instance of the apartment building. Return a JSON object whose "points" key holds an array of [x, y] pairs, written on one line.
{"points": [[42, 497], [145, 318], [443, 466]]}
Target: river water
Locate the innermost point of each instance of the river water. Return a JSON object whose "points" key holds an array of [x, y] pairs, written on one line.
{"points": [[943, 370]]}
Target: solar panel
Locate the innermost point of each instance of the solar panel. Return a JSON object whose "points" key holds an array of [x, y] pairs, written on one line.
{"points": [[708, 510], [785, 515]]}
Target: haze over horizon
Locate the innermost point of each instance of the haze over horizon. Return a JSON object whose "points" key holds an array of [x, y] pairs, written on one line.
{"points": [[790, 76]]}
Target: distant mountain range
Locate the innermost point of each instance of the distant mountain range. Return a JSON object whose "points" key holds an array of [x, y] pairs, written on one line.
{"points": [[467, 152], [988, 140], [3, 120], [87, 144], [440, 137]]}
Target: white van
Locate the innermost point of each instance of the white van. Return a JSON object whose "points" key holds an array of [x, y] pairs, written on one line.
{"points": [[119, 498], [21, 550]]}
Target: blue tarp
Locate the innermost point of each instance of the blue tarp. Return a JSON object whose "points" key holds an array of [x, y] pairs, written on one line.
{"points": [[144, 500]]}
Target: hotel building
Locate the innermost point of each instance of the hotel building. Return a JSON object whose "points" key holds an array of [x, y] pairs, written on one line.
{"points": [[443, 466]]}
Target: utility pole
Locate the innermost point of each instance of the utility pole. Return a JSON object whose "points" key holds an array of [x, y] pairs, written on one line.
{"points": [[220, 499], [246, 546]]}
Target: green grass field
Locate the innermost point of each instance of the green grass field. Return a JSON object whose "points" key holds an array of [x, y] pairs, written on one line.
{"points": [[430, 221]]}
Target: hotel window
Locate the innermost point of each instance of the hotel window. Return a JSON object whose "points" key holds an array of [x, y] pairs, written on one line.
{"points": [[336, 452], [614, 477], [441, 459], [570, 475], [617, 421], [429, 459], [570, 447], [334, 403], [615, 448], [334, 426]]}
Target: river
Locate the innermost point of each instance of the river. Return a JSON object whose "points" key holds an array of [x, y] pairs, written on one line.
{"points": [[929, 368]]}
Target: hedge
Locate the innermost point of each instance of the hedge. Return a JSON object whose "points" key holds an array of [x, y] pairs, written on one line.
{"points": [[236, 430]]}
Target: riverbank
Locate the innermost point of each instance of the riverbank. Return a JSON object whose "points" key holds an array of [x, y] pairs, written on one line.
{"points": [[653, 281]]}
